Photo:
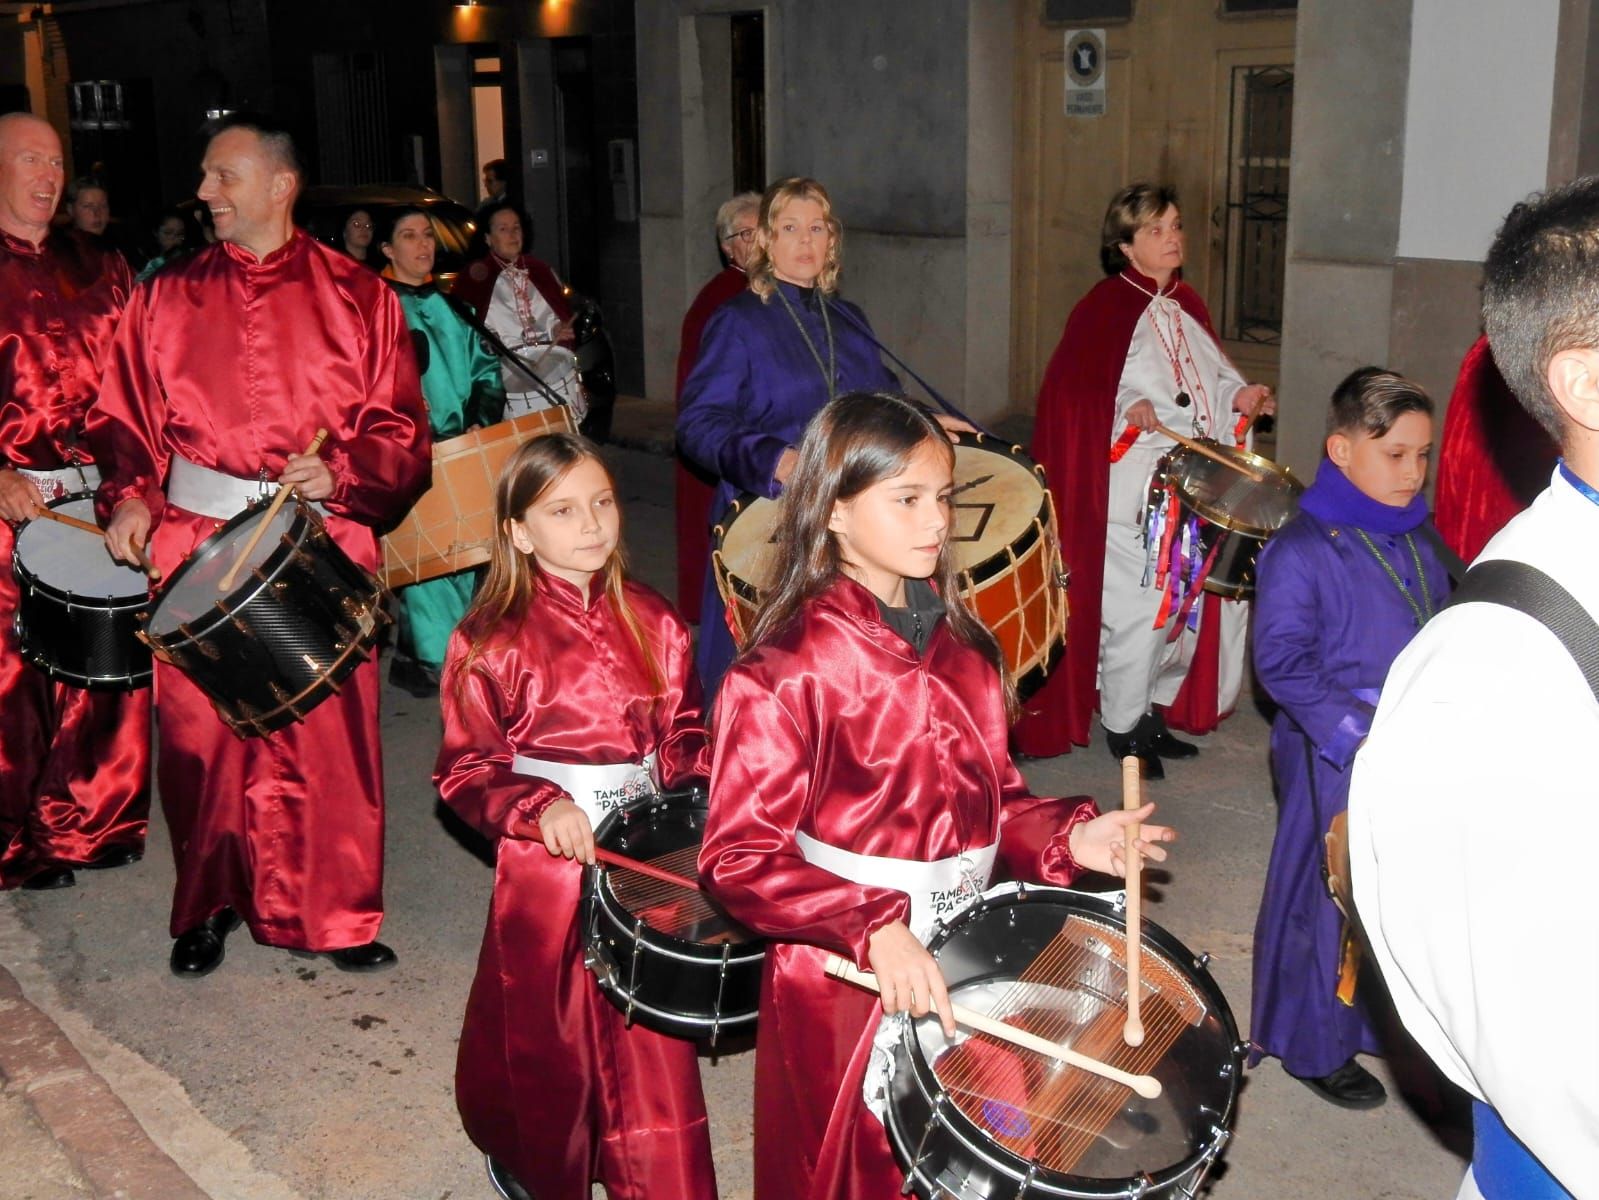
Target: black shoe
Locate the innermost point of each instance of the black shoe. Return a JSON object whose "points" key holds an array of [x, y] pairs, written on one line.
{"points": [[1162, 742], [1123, 744], [421, 680], [119, 854], [50, 878], [199, 951], [373, 956], [504, 1182], [1350, 1086]]}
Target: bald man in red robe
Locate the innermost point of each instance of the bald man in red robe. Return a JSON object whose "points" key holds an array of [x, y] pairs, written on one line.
{"points": [[226, 365], [74, 764]]}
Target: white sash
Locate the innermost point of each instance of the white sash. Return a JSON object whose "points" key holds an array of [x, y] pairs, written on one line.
{"points": [[937, 890], [597, 788], [63, 481], [216, 494]]}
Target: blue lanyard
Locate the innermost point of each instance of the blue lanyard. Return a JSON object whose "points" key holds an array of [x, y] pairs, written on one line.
{"points": [[1580, 484]]}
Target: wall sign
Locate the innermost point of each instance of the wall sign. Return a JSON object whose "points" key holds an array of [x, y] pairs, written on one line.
{"points": [[1085, 72]]}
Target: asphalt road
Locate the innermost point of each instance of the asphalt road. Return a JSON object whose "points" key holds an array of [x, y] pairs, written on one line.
{"points": [[278, 1077]]}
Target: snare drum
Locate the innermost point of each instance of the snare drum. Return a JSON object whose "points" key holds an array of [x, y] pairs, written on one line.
{"points": [[451, 527], [79, 609], [1238, 513], [299, 620], [667, 957], [980, 1119], [557, 368], [1003, 534]]}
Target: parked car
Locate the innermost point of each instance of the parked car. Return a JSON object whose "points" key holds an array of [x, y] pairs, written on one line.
{"points": [[322, 211]]}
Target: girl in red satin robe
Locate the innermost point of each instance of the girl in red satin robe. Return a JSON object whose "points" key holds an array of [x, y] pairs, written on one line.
{"points": [[866, 721], [561, 672]]}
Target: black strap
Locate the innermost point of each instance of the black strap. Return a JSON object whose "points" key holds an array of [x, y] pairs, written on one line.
{"points": [[865, 331], [1526, 589], [1453, 563]]}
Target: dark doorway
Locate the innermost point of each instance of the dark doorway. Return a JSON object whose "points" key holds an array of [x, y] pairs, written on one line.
{"points": [[582, 205], [749, 102]]}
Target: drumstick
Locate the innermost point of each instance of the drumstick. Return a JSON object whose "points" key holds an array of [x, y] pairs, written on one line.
{"points": [[272, 510], [613, 859], [1146, 1086], [1132, 779], [1214, 455], [50, 514]]}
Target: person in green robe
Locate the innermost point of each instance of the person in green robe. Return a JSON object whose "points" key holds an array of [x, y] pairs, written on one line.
{"points": [[461, 382]]}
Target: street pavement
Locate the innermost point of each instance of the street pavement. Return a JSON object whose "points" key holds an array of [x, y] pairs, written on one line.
{"points": [[281, 1078]]}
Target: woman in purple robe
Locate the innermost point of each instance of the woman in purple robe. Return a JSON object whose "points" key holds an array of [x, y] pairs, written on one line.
{"points": [[1340, 591], [770, 359]]}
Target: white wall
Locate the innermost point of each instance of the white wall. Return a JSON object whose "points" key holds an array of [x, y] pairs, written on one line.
{"points": [[1477, 121]]}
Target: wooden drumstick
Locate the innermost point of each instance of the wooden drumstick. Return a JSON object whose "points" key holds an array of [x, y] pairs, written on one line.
{"points": [[1132, 781], [278, 502], [50, 514], [612, 859], [1208, 452], [1146, 1086]]}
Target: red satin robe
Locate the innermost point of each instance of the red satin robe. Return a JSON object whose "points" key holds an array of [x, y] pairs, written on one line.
{"points": [[234, 364], [549, 1079], [694, 487], [838, 729], [1071, 440], [74, 764], [1492, 460]]}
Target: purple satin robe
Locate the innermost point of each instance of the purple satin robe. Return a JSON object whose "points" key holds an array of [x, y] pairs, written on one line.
{"points": [[754, 388], [1329, 621]]}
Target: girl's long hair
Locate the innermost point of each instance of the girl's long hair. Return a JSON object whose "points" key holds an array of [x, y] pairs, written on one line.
{"points": [[514, 577], [855, 441]]}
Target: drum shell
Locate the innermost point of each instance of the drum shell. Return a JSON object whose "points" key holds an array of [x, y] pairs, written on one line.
{"points": [[451, 526], [946, 1155], [255, 654], [83, 641], [1232, 575], [77, 641], [669, 984]]}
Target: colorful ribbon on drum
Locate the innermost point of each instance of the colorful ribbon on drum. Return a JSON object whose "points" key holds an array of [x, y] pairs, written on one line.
{"points": [[1177, 561]]}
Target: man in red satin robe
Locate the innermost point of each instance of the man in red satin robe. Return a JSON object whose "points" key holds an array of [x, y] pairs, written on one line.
{"points": [[74, 764], [735, 239], [226, 365]]}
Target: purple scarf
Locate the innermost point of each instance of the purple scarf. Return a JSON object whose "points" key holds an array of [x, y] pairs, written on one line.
{"points": [[1334, 499]]}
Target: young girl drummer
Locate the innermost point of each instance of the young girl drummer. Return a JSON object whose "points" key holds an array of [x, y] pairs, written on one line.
{"points": [[566, 688], [862, 786]]}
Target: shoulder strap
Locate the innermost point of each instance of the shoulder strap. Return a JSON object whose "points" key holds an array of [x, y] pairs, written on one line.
{"points": [[1525, 588], [1453, 563]]}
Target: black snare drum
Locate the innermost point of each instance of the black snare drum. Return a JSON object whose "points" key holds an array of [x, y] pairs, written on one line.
{"points": [[981, 1119], [300, 618], [668, 957], [78, 613]]}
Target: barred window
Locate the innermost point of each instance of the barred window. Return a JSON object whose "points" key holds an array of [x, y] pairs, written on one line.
{"points": [[1259, 134]]}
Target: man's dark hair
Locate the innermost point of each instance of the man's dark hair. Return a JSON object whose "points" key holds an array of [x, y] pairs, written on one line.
{"points": [[274, 135], [496, 168], [1540, 292], [1371, 399]]}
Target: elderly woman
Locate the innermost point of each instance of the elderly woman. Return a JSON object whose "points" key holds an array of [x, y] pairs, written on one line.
{"points": [[355, 238], [524, 303], [1138, 352], [770, 358]]}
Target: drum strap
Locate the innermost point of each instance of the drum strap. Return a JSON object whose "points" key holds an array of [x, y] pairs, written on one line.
{"points": [[1526, 589], [63, 481], [597, 788], [937, 890], [216, 494]]}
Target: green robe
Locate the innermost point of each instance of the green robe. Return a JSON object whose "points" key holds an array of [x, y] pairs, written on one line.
{"points": [[462, 388]]}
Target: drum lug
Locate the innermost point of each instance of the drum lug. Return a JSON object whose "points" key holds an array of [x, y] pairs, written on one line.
{"points": [[632, 974], [933, 1118], [1203, 960], [1139, 1186], [1032, 1173], [721, 984]]}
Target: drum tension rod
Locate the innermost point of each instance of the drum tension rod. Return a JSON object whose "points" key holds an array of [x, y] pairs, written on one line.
{"points": [[632, 974]]}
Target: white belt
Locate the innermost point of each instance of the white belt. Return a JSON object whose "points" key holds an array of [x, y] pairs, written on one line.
{"points": [[597, 788], [63, 481], [215, 493], [937, 890]]}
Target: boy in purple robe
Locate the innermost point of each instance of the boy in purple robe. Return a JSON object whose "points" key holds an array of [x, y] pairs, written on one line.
{"points": [[1340, 590]]}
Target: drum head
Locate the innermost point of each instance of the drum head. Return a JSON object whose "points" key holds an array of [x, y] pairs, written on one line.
{"points": [[1228, 497], [195, 588], [74, 561]]}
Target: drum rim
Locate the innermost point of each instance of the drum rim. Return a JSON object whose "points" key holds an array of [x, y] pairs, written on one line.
{"points": [[1249, 458], [30, 579], [228, 604], [1179, 957]]}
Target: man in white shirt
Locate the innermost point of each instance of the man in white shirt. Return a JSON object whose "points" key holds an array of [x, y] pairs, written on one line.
{"points": [[1475, 794]]}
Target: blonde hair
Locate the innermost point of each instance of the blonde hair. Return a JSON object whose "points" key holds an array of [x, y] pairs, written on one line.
{"points": [[763, 282]]}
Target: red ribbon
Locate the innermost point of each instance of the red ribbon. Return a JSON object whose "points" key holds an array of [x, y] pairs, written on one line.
{"points": [[1124, 443]]}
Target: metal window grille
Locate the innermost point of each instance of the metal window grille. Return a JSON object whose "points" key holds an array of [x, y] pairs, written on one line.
{"points": [[1260, 131], [352, 118]]}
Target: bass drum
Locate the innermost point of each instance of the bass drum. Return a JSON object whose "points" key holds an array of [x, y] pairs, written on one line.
{"points": [[1005, 544], [980, 1119]]}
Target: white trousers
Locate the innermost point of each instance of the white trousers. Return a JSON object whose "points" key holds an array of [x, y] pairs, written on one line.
{"points": [[1138, 667], [1468, 1188]]}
